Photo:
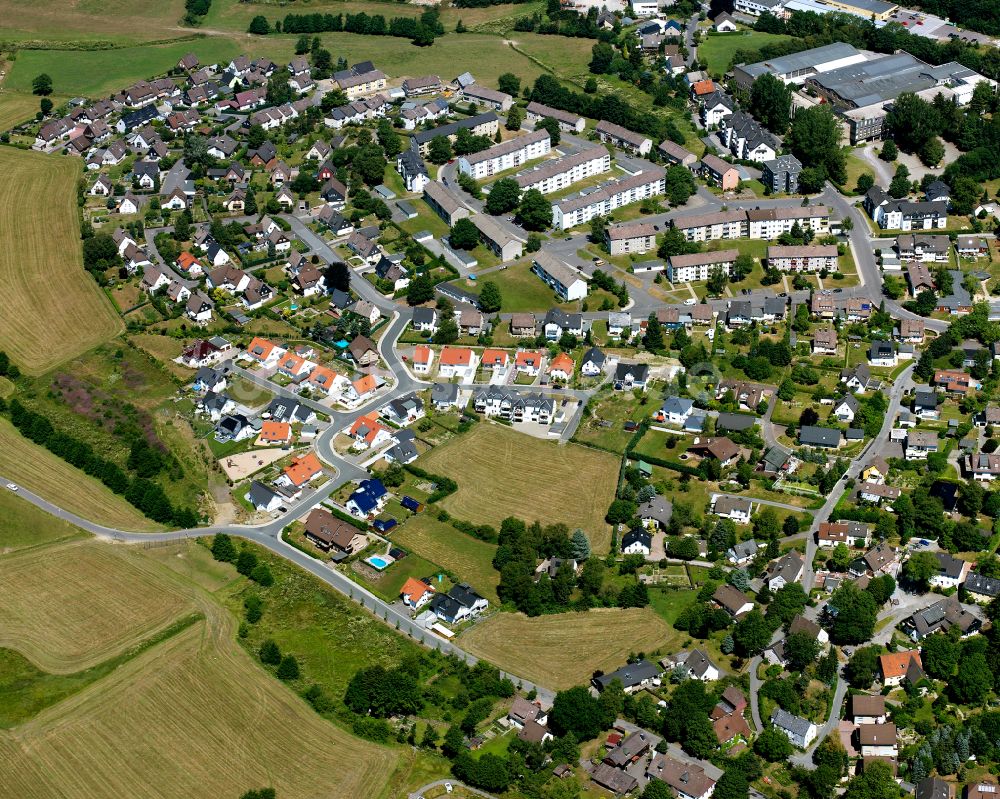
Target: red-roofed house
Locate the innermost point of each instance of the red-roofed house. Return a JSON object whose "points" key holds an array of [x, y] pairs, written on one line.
{"points": [[364, 387], [301, 471], [458, 362], [415, 593], [272, 433], [190, 265], [423, 358], [528, 362], [497, 360], [368, 432], [295, 366], [322, 379], [561, 367], [265, 352]]}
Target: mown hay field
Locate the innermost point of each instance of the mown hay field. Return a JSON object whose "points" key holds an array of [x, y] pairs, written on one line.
{"points": [[193, 714], [468, 558], [76, 604], [89, 20], [195, 717], [40, 471], [565, 649], [50, 310], [502, 473]]}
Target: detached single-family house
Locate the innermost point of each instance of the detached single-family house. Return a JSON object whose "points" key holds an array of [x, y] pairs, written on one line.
{"points": [[801, 732], [328, 533], [416, 593], [738, 509], [694, 665], [895, 666], [632, 676], [459, 604]]}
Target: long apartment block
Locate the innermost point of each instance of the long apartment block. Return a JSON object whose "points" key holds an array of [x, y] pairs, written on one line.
{"points": [[561, 173], [506, 155], [755, 223], [604, 199]]}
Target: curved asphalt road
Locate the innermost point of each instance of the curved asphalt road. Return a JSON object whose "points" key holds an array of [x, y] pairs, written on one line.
{"points": [[269, 536]]}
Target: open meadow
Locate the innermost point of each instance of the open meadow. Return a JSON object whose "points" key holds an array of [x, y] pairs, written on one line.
{"points": [[468, 558], [503, 473], [171, 706], [51, 310], [111, 21], [563, 650], [717, 51], [22, 525]]}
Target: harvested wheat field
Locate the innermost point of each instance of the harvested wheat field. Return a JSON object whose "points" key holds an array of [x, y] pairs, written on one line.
{"points": [[503, 473], [193, 717], [79, 603], [565, 649], [40, 471], [50, 310]]}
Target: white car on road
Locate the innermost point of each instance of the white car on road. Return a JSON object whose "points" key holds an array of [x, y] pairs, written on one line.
{"points": [[12, 486]]}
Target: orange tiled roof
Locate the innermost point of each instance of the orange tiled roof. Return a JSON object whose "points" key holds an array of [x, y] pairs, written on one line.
{"points": [[456, 356], [562, 363], [275, 431], [495, 356], [303, 469], [422, 354], [364, 384], [413, 589], [895, 664], [260, 348], [323, 377], [528, 358]]}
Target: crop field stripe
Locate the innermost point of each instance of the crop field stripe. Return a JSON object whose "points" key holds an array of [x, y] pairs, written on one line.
{"points": [[50, 310], [563, 650], [502, 473], [39, 470], [74, 605]]}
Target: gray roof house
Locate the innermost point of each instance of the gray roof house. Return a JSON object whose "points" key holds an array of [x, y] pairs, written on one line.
{"points": [[632, 676], [800, 731], [812, 436]]}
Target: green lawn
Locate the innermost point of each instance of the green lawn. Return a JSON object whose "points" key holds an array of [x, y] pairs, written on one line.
{"points": [[389, 582], [668, 604], [717, 51], [520, 288], [466, 558], [609, 410], [23, 525]]}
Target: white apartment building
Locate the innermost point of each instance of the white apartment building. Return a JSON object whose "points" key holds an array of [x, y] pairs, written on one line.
{"points": [[716, 225], [769, 223], [809, 258], [506, 155], [561, 173], [699, 265], [612, 195]]}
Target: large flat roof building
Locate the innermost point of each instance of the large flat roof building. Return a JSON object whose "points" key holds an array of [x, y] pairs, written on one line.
{"points": [[796, 67]]}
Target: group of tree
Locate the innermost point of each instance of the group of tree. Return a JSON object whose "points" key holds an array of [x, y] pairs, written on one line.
{"points": [[144, 494], [549, 91], [420, 30], [520, 546]]}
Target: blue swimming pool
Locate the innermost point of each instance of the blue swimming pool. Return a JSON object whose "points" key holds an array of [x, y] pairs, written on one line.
{"points": [[378, 562]]}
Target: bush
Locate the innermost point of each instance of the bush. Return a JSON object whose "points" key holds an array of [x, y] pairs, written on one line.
{"points": [[288, 669], [269, 653]]}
